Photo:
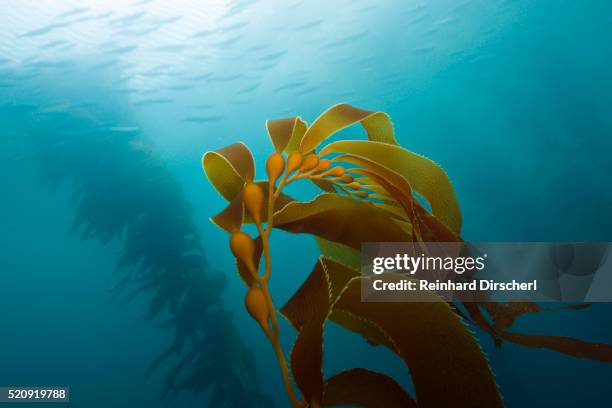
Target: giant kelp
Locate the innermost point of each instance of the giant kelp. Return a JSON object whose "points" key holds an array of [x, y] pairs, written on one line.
{"points": [[373, 190], [123, 192]]}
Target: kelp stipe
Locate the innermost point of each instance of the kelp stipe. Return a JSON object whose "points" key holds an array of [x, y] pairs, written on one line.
{"points": [[122, 191], [376, 182]]}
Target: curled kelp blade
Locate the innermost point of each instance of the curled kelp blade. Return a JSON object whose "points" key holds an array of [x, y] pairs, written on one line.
{"points": [[309, 308], [384, 181], [363, 388], [426, 177], [229, 168], [286, 134], [311, 301], [446, 364], [339, 219], [377, 125], [298, 308], [231, 217], [423, 225]]}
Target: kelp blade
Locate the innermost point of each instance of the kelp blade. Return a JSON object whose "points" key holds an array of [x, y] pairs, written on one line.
{"points": [[425, 176], [229, 168], [377, 125]]}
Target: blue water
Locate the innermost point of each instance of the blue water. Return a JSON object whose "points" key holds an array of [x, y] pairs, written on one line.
{"points": [[512, 98]]}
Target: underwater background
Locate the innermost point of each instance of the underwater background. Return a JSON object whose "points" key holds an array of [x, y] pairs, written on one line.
{"points": [[115, 283]]}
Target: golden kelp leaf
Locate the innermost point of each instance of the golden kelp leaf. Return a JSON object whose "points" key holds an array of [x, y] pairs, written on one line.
{"points": [[296, 137], [228, 169], [392, 209], [311, 301], [286, 133], [363, 388], [306, 362], [373, 334], [432, 229], [425, 176], [377, 124], [307, 310], [339, 253], [373, 188], [339, 274], [425, 227], [339, 219], [379, 170], [391, 182], [232, 216], [446, 364]]}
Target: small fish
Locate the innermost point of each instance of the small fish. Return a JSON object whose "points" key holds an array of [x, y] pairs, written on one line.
{"points": [[257, 48], [233, 27], [74, 12], [50, 64], [169, 20], [45, 30], [203, 33], [137, 33], [307, 91], [203, 119], [104, 15], [204, 106], [344, 40], [200, 77], [241, 101], [52, 44], [423, 50], [447, 20], [147, 102], [228, 41], [273, 56], [179, 87], [171, 48], [105, 64], [125, 91], [290, 85], [248, 89], [226, 78], [128, 130], [127, 19], [265, 67], [237, 8], [123, 50], [309, 25]]}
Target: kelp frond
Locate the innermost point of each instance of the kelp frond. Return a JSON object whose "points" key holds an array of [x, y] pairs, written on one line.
{"points": [[372, 190]]}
